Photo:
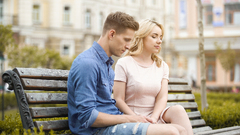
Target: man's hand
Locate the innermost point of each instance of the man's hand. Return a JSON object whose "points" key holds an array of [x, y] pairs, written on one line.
{"points": [[138, 118]]}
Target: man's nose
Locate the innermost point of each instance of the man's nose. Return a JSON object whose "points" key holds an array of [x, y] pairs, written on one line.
{"points": [[127, 46]]}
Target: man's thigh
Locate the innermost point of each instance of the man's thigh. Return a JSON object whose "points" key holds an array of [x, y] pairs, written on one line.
{"points": [[125, 129]]}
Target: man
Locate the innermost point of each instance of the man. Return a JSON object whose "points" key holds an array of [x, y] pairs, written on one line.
{"points": [[91, 110]]}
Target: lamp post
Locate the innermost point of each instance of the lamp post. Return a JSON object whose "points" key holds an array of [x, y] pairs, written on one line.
{"points": [[1, 61]]}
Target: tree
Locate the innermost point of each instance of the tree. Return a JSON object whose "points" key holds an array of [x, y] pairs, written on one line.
{"points": [[227, 58], [33, 57], [6, 37], [202, 57]]}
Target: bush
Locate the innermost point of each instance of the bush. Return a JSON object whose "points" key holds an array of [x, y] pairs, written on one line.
{"points": [[223, 110], [9, 100], [13, 125]]}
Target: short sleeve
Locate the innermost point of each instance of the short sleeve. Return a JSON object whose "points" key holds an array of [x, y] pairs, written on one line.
{"points": [[120, 71], [165, 71]]}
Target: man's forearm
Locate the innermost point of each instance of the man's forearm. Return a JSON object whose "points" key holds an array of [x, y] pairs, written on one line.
{"points": [[104, 120]]}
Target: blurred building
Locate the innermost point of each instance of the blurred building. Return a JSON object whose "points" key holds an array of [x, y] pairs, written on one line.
{"points": [[69, 26], [221, 20]]}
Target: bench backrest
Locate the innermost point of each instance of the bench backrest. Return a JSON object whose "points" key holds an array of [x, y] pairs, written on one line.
{"points": [[50, 92]]}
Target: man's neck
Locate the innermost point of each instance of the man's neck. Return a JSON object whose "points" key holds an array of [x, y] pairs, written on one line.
{"points": [[103, 42]]}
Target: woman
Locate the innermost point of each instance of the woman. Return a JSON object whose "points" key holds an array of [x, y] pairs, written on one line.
{"points": [[141, 80]]}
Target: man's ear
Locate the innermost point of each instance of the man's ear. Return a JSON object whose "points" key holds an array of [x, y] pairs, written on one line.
{"points": [[111, 33]]}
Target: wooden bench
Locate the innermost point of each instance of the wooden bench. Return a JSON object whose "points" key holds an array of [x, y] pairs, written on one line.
{"points": [[42, 93]]}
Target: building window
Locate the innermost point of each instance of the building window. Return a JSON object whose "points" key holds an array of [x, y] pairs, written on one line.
{"points": [[232, 74], [66, 15], [232, 14], [183, 14], [1, 11], [66, 50], [88, 19], [208, 14], [36, 14], [211, 68]]}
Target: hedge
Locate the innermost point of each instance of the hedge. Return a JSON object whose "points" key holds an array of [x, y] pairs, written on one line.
{"points": [[223, 111]]}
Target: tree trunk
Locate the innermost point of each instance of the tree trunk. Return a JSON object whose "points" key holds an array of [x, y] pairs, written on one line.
{"points": [[202, 57], [225, 89]]}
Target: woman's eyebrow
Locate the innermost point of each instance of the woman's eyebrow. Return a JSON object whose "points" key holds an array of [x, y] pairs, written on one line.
{"points": [[156, 34]]}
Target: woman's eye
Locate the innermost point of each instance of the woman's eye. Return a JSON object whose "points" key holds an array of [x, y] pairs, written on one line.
{"points": [[153, 37]]}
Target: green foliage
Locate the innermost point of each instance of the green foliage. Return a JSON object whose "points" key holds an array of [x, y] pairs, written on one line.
{"points": [[9, 100], [33, 57], [11, 123], [223, 110], [227, 57], [6, 36], [13, 126]]}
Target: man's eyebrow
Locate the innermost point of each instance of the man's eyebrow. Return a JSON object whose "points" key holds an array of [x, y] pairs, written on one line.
{"points": [[128, 38]]}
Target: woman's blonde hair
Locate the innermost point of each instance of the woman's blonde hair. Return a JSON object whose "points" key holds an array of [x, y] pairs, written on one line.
{"points": [[146, 26]]}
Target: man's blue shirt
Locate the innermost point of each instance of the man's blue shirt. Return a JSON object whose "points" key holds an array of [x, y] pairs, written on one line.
{"points": [[90, 84]]}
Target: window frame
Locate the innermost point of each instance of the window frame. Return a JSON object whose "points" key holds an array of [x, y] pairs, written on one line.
{"points": [[230, 10], [66, 15], [207, 13], [87, 19], [36, 14], [214, 69]]}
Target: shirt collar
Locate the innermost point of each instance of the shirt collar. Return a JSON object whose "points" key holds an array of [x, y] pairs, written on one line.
{"points": [[103, 55]]}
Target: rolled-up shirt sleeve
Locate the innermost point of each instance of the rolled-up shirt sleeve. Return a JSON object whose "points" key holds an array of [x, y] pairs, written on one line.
{"points": [[84, 78]]}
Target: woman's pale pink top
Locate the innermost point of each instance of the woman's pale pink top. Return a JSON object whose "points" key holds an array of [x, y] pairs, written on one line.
{"points": [[143, 83]]}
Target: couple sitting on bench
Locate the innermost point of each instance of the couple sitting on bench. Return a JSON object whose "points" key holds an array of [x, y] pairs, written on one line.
{"points": [[139, 84]]}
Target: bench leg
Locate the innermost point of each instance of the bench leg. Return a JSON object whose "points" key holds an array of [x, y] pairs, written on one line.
{"points": [[15, 84]]}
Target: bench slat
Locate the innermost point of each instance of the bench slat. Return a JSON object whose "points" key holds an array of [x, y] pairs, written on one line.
{"points": [[48, 112], [61, 98], [179, 88], [201, 129], [178, 81], [186, 105], [195, 114], [181, 97], [198, 122], [38, 84], [46, 98], [42, 73], [233, 132], [222, 131], [52, 125]]}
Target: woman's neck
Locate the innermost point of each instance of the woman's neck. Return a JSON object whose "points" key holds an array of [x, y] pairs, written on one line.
{"points": [[144, 58]]}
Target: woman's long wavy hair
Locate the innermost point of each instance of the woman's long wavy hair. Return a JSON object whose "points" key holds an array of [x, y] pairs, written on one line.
{"points": [[136, 48]]}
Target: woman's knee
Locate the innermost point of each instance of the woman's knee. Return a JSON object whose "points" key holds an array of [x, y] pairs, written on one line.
{"points": [[178, 108], [182, 130], [174, 131]]}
